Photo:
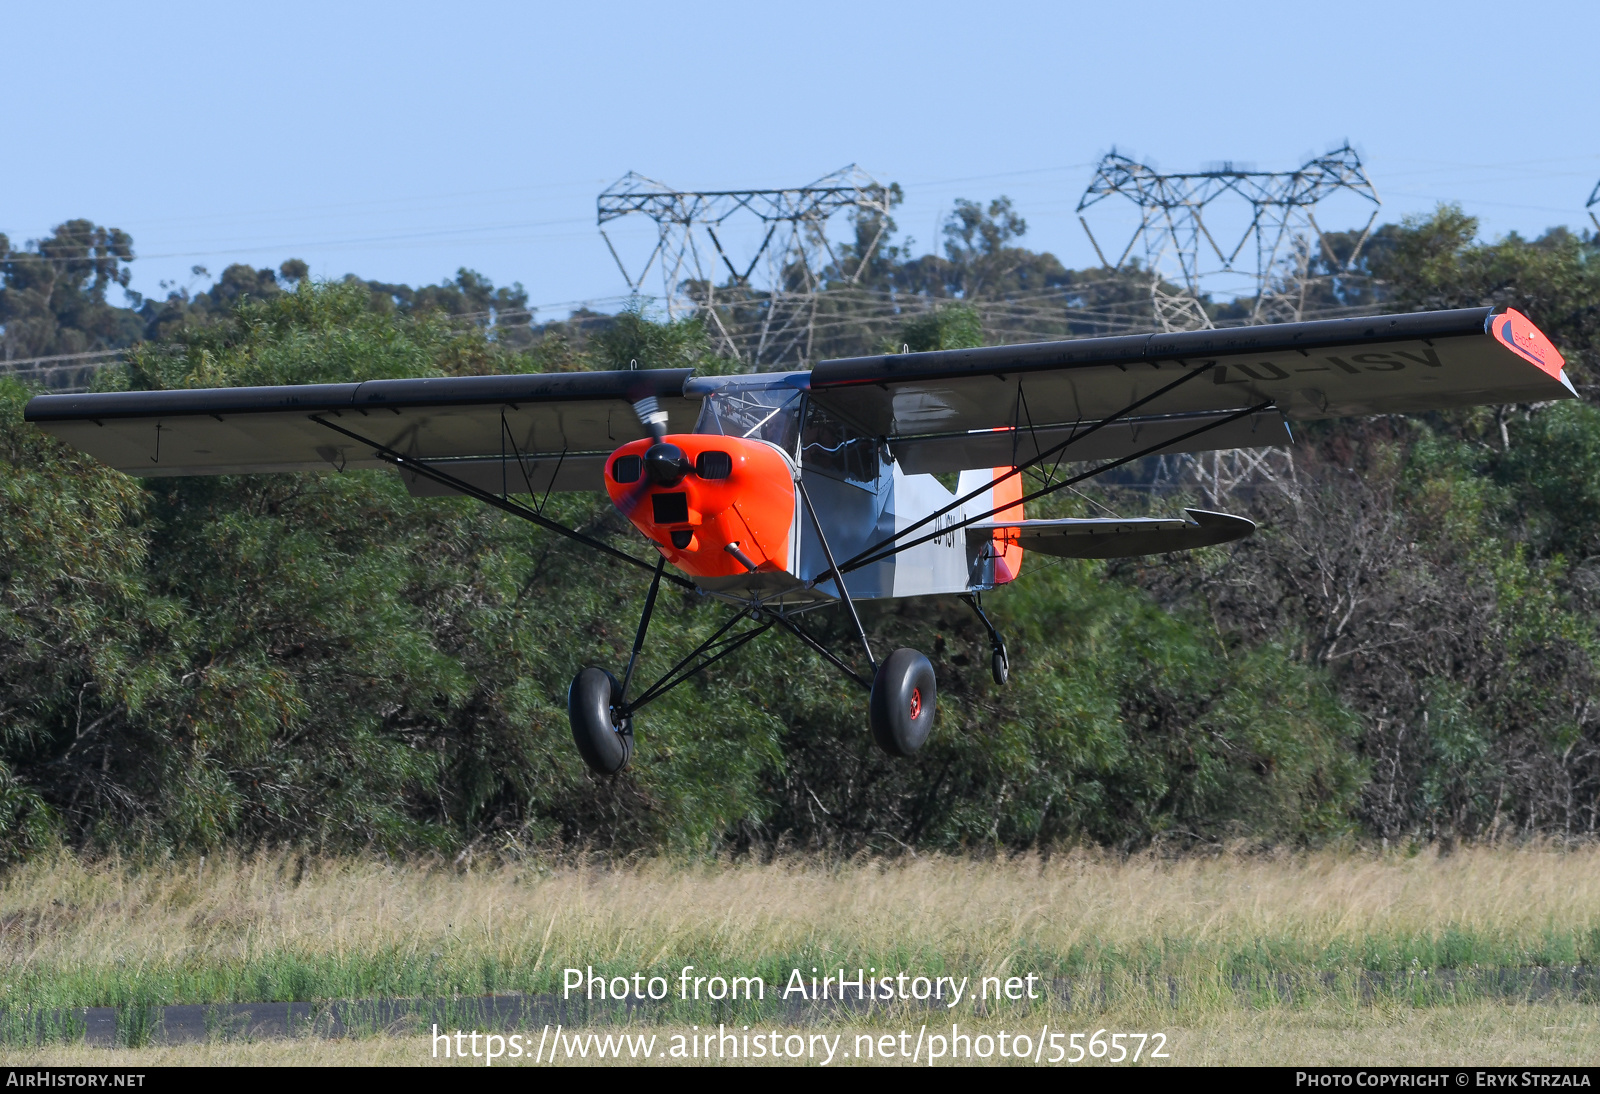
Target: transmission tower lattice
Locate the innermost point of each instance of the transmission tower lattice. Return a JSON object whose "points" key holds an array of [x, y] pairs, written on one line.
{"points": [[777, 287], [1281, 234], [1280, 238], [1594, 199]]}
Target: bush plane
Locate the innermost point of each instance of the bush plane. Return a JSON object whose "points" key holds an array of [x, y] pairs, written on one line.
{"points": [[787, 492]]}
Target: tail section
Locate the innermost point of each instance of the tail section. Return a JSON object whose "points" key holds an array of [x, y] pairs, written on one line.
{"points": [[1007, 549], [1005, 499]]}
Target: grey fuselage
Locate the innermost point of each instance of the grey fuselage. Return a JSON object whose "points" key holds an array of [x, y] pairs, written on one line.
{"points": [[860, 496]]}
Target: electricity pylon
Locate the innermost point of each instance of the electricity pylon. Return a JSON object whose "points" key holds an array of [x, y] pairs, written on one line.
{"points": [[776, 288], [1280, 239]]}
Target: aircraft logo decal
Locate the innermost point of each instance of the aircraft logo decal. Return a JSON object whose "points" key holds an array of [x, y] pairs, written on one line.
{"points": [[1516, 332]]}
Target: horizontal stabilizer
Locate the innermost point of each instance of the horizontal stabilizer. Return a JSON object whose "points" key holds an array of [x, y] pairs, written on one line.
{"points": [[1117, 537]]}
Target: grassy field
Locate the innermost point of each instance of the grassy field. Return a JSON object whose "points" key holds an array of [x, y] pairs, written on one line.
{"points": [[1470, 1034], [1314, 958]]}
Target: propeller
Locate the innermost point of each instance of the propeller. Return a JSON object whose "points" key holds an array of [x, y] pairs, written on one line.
{"points": [[664, 464]]}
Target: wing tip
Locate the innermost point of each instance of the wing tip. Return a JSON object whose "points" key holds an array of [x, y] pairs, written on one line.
{"points": [[1227, 526]]}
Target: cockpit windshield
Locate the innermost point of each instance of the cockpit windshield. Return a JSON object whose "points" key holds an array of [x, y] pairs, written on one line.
{"points": [[761, 414]]}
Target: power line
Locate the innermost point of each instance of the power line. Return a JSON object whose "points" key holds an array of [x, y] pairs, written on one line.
{"points": [[17, 362]]}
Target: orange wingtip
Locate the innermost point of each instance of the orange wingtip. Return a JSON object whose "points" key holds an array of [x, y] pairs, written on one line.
{"points": [[1517, 333]]}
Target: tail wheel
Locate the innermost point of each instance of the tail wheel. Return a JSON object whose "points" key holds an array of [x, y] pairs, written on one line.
{"points": [[1000, 666], [904, 698], [604, 739]]}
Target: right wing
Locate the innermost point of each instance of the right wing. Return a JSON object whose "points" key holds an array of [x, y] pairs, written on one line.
{"points": [[520, 433]]}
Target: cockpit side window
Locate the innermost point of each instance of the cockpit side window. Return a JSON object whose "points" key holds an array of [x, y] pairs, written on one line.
{"points": [[759, 414], [834, 447]]}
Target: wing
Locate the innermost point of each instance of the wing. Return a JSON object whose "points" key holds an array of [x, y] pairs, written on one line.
{"points": [[522, 433], [1114, 537], [956, 409]]}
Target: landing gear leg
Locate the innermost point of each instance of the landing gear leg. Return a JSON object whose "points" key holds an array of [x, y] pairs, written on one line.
{"points": [[602, 726], [999, 661]]}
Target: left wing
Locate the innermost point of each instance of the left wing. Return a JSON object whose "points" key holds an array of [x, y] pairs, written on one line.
{"points": [[958, 409]]}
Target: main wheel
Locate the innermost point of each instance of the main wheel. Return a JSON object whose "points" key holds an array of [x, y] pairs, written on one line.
{"points": [[604, 741], [903, 700], [1000, 666]]}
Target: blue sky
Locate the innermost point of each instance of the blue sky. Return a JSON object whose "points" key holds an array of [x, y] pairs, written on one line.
{"points": [[401, 141]]}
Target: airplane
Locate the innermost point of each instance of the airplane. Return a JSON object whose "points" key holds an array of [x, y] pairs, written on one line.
{"points": [[783, 493]]}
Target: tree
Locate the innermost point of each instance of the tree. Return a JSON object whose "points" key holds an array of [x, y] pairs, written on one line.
{"points": [[470, 297], [948, 326], [53, 292], [1437, 262]]}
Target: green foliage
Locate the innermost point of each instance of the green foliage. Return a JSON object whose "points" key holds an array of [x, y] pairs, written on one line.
{"points": [[75, 621], [950, 326], [1437, 262], [53, 293], [1142, 722], [1512, 731], [635, 339], [1552, 476]]}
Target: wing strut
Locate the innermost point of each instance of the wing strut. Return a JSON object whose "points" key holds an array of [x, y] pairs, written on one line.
{"points": [[874, 554], [877, 550], [506, 505], [827, 655], [833, 569]]}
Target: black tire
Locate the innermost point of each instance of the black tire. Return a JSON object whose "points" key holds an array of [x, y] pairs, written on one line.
{"points": [[1000, 666], [605, 744], [904, 696]]}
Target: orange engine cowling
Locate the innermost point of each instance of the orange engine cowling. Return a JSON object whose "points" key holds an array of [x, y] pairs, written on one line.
{"points": [[695, 495]]}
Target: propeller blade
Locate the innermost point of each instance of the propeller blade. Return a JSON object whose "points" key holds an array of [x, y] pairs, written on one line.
{"points": [[652, 417], [630, 501]]}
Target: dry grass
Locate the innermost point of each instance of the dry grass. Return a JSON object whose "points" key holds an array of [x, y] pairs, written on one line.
{"points": [[272, 927], [70, 912], [986, 915]]}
